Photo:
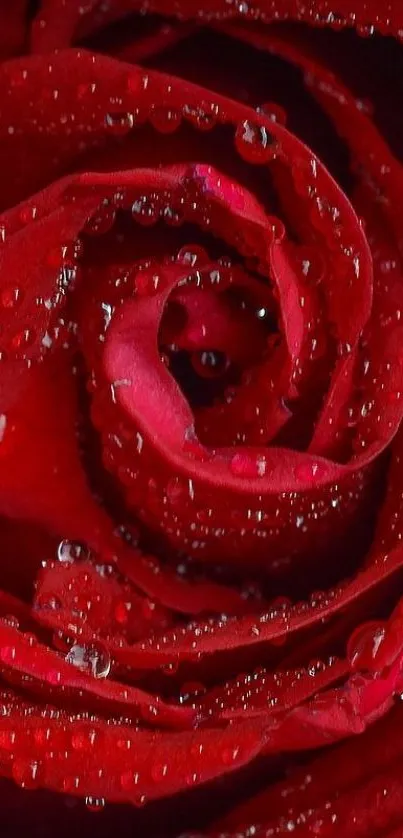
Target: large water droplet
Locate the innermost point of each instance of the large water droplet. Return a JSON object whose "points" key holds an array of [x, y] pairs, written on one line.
{"points": [[69, 552], [94, 659], [364, 646], [254, 142], [192, 254]]}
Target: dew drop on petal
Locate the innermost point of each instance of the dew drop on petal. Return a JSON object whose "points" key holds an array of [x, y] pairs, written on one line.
{"points": [[27, 773], [93, 659], [48, 602], [274, 112], [140, 801], [173, 216], [308, 472], [23, 339], [11, 297], [119, 123], [192, 254], [95, 804], [254, 142], [54, 677], [71, 784], [85, 739], [200, 117], [128, 780], [176, 490], [191, 690], [69, 552], [28, 214], [243, 465], [165, 120], [230, 755], [364, 646], [121, 612], [7, 740], [209, 363], [8, 654], [159, 771], [145, 211], [101, 222]]}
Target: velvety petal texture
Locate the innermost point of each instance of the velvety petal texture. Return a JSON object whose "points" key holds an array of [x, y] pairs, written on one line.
{"points": [[201, 398]]}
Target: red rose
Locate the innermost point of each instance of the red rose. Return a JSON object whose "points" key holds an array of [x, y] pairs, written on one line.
{"points": [[201, 378]]}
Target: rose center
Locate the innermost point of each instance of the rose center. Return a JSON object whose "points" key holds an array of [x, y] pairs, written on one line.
{"points": [[213, 330]]}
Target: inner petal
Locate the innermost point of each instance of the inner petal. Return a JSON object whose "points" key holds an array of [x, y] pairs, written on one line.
{"points": [[217, 327]]}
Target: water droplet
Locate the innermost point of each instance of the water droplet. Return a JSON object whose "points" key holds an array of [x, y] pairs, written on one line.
{"points": [[176, 490], [28, 214], [48, 601], [364, 646], [69, 552], [7, 739], [243, 465], [93, 659], [191, 255], [124, 744], [128, 780], [8, 654], [71, 784], [62, 641], [27, 773], [11, 297], [230, 755], [145, 211], [192, 779], [274, 112], [121, 612], [140, 801], [308, 472], [209, 363], [119, 123], [54, 677], [254, 142], [344, 349], [202, 119], [102, 221], [165, 120], [191, 690], [85, 739], [42, 736], [172, 216], [170, 668], [11, 621], [95, 804], [159, 771], [23, 339]]}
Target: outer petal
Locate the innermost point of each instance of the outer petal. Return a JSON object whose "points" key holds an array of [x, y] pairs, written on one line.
{"points": [[58, 20]]}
